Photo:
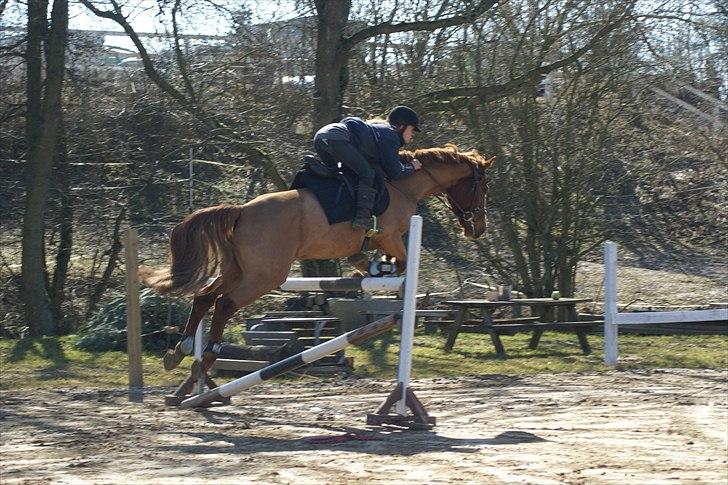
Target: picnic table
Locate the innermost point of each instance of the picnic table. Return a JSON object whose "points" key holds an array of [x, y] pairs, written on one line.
{"points": [[547, 314]]}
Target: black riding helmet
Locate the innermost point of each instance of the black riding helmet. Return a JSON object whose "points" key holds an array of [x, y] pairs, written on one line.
{"points": [[402, 115]]}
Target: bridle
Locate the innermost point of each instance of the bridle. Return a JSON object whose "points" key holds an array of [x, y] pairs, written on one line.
{"points": [[466, 216]]}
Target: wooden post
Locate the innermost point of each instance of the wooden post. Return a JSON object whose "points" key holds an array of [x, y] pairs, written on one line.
{"points": [[133, 316]]}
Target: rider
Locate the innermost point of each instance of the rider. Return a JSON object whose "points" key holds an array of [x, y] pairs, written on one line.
{"points": [[357, 144]]}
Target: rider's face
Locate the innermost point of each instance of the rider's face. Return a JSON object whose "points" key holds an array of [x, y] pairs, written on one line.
{"points": [[408, 133]]}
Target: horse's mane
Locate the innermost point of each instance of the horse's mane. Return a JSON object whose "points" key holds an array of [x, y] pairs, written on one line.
{"points": [[449, 155]]}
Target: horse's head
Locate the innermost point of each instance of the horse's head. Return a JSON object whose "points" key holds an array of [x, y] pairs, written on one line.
{"points": [[461, 176]]}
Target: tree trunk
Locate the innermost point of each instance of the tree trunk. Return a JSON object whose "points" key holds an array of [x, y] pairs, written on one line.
{"points": [[113, 251], [65, 244], [42, 132], [33, 66], [330, 82]]}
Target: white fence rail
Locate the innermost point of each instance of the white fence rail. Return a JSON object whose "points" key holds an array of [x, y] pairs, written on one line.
{"points": [[613, 319]]}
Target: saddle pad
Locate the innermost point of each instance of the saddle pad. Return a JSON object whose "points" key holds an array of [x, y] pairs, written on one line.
{"points": [[337, 195]]}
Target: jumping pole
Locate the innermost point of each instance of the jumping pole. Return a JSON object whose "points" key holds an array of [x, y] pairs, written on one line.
{"points": [[367, 285], [294, 362]]}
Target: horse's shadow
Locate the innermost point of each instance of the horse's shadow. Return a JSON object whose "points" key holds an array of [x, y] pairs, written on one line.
{"points": [[381, 441]]}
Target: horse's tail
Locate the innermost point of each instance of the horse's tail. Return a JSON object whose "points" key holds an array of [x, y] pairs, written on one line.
{"points": [[199, 247]]}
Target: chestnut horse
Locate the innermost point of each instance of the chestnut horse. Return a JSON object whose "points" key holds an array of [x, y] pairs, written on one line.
{"points": [[251, 247]]}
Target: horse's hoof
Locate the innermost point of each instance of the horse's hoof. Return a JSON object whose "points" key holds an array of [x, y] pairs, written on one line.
{"points": [[173, 357], [196, 370], [200, 367], [208, 359]]}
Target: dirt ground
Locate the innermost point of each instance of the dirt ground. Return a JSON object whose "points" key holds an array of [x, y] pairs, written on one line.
{"points": [[665, 426]]}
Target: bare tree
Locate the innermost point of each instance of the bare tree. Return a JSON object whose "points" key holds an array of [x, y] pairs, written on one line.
{"points": [[187, 98], [46, 44], [335, 46]]}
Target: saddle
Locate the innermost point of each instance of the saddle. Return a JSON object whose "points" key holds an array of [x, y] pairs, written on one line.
{"points": [[316, 166], [335, 189]]}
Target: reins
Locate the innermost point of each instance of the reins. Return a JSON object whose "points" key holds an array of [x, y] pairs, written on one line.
{"points": [[406, 195], [466, 216], [436, 194]]}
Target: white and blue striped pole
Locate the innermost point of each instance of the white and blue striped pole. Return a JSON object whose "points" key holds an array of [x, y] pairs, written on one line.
{"points": [[294, 362]]}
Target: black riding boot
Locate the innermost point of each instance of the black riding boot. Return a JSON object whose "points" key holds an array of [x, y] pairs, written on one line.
{"points": [[364, 203]]}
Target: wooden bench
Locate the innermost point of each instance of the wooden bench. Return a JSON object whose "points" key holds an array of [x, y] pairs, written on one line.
{"points": [[581, 329], [431, 319], [245, 366], [256, 319], [301, 329], [478, 326], [274, 338], [255, 354]]}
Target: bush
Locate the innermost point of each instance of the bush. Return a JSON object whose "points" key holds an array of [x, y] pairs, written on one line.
{"points": [[106, 330]]}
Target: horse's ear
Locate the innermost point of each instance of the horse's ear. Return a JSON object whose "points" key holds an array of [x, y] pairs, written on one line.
{"points": [[482, 161], [451, 146]]}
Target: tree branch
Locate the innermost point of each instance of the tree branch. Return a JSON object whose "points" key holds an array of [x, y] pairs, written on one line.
{"points": [[180, 58], [467, 16], [497, 91], [149, 68], [218, 129]]}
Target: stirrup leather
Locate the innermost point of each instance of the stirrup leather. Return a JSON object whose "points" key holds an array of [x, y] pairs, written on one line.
{"points": [[374, 230]]}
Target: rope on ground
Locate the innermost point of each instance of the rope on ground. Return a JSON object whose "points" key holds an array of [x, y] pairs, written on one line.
{"points": [[341, 438]]}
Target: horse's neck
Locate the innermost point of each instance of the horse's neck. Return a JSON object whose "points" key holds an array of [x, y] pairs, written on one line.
{"points": [[433, 179]]}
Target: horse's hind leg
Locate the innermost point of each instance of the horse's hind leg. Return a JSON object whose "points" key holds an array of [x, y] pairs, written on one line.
{"points": [[228, 304], [225, 308], [201, 304]]}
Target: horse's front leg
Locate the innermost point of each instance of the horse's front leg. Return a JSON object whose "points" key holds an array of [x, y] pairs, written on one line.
{"points": [[360, 262], [393, 247]]}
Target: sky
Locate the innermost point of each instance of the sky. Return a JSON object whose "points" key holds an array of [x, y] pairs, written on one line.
{"points": [[143, 16]]}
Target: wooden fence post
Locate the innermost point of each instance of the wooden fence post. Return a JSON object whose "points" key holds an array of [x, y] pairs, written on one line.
{"points": [[133, 316]]}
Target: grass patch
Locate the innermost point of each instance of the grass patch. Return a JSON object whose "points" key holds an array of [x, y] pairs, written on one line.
{"points": [[55, 362], [474, 354]]}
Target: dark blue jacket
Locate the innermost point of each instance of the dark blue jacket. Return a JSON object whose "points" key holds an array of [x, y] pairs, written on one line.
{"points": [[379, 143]]}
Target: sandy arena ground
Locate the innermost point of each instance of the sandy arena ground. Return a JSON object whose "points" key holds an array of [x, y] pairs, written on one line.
{"points": [[668, 426]]}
